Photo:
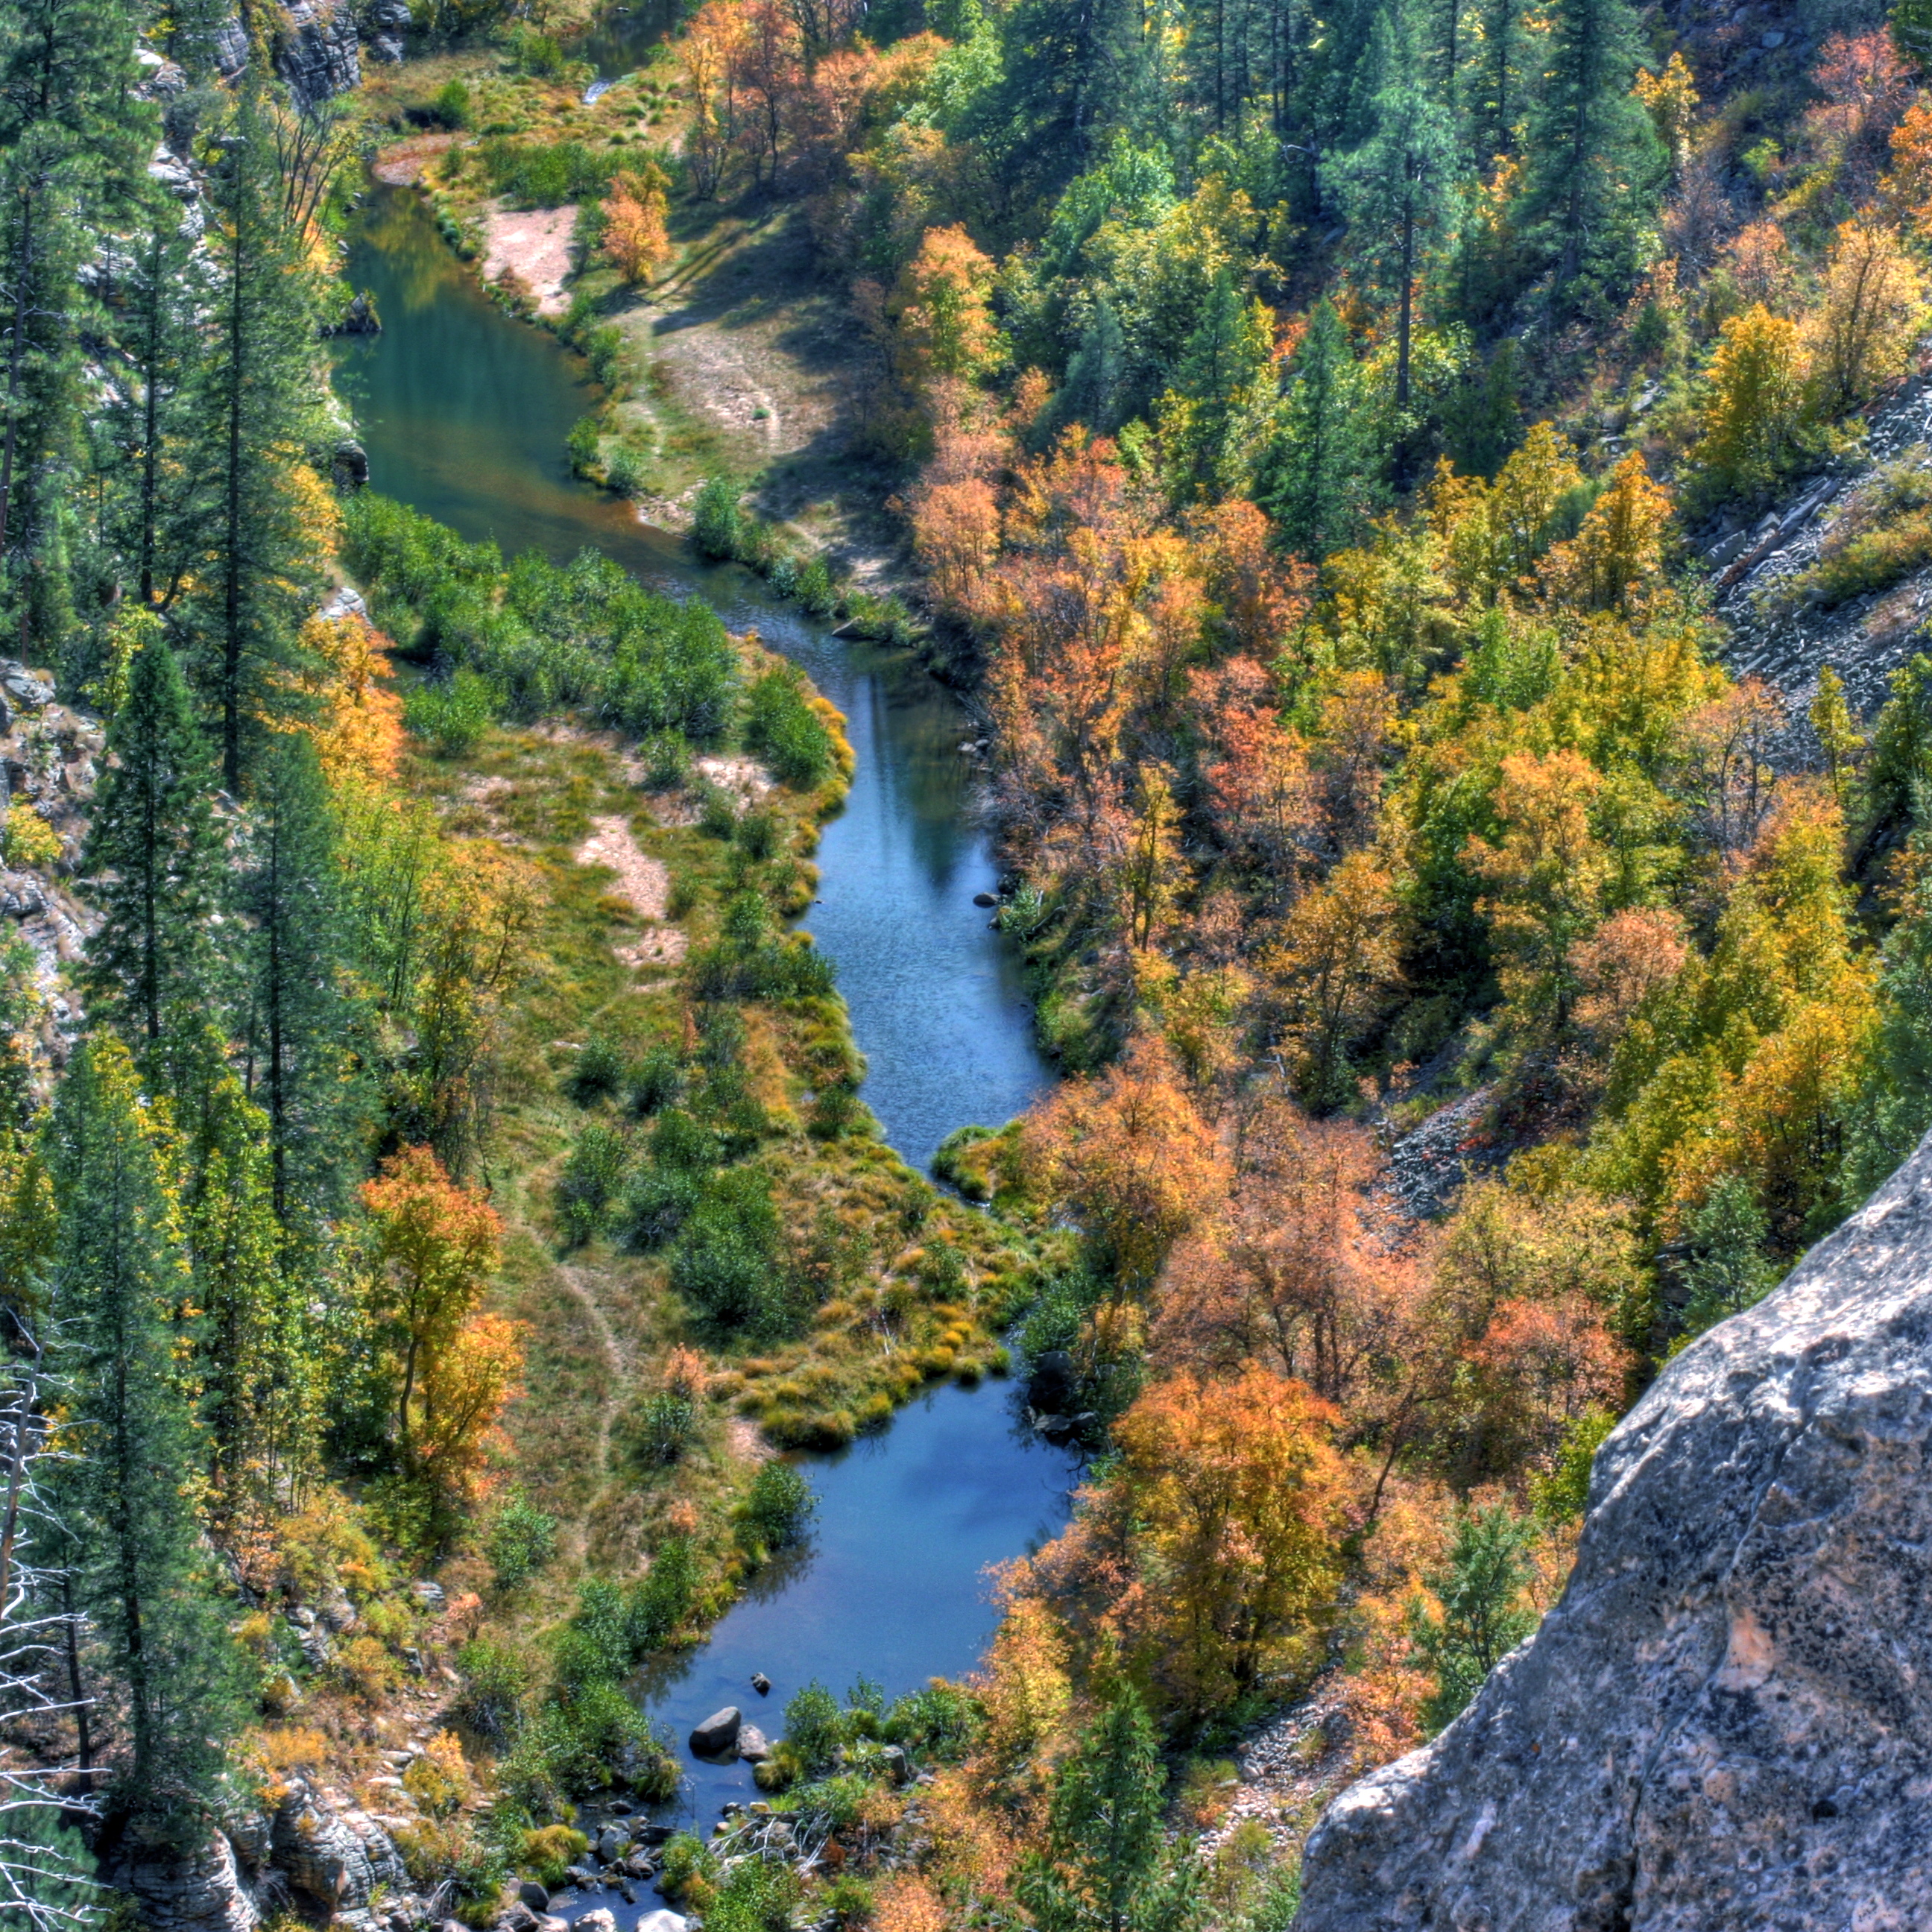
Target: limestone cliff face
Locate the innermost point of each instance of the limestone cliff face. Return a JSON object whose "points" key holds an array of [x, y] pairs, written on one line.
{"points": [[1727, 1721]]}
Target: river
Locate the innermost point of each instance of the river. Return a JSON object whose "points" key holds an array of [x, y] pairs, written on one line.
{"points": [[463, 413]]}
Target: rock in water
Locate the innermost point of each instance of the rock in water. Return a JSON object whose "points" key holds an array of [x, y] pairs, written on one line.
{"points": [[752, 1745], [718, 1734], [1726, 1723]]}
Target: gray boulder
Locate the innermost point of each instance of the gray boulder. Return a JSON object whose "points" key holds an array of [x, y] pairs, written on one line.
{"points": [[662, 1921], [1726, 1722], [753, 1745], [718, 1736], [533, 1895]]}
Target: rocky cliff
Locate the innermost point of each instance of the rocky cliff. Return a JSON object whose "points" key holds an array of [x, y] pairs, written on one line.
{"points": [[1727, 1721]]}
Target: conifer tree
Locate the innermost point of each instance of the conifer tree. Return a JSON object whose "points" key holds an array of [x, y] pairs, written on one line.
{"points": [[252, 1294], [1497, 101], [155, 847], [1315, 486], [254, 414], [1217, 411], [1397, 188], [158, 336], [1594, 156], [1102, 1870], [119, 1290], [70, 140], [298, 1057]]}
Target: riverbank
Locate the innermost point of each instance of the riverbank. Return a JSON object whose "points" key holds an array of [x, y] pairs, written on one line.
{"points": [[736, 360]]}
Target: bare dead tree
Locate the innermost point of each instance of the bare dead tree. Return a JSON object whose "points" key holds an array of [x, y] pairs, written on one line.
{"points": [[42, 1887]]}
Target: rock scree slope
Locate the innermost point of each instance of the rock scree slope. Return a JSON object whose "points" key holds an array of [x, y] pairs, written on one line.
{"points": [[1727, 1721]]}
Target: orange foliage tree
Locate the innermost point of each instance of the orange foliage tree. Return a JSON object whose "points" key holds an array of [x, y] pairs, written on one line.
{"points": [[435, 1245], [635, 212], [1131, 1158]]}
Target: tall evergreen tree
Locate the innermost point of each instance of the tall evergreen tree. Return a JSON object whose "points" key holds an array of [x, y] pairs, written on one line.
{"points": [[1594, 156], [298, 1064], [119, 1287], [71, 136], [1103, 1869], [254, 415], [1397, 189], [1315, 477], [1497, 100], [155, 848], [1215, 415], [254, 1292], [145, 427]]}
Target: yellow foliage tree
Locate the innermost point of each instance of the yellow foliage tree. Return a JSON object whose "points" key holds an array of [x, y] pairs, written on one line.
{"points": [[1237, 1495], [1861, 334], [1751, 431], [1615, 561]]}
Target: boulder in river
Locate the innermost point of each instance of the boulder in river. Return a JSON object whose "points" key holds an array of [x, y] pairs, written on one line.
{"points": [[662, 1921], [532, 1895], [761, 1683], [1726, 1721], [718, 1736], [599, 1921], [984, 899], [1051, 1388], [752, 1746]]}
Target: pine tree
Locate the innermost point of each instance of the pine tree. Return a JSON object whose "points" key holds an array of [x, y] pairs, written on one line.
{"points": [[157, 335], [1215, 414], [298, 1020], [258, 1377], [71, 141], [1315, 485], [1498, 102], [1593, 157], [1102, 1870], [118, 1292], [254, 413], [1397, 188], [155, 847], [1483, 1618]]}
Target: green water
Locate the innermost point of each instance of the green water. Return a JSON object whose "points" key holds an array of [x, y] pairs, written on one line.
{"points": [[463, 412]]}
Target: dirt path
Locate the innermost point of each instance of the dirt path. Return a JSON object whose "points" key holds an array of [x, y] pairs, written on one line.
{"points": [[616, 1356], [644, 883]]}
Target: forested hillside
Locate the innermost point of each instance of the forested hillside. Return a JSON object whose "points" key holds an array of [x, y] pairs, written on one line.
{"points": [[434, 1184]]}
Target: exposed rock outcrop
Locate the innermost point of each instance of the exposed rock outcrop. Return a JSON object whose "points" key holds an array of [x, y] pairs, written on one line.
{"points": [[200, 1890], [337, 1860], [1727, 1721]]}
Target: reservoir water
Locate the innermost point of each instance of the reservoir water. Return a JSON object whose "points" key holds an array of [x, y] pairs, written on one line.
{"points": [[463, 413]]}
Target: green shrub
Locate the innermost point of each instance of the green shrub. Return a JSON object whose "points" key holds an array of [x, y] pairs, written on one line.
{"points": [[716, 520], [727, 1264], [494, 1681], [667, 1425], [778, 1507], [540, 174], [757, 834], [753, 1896], [451, 103], [583, 634], [655, 1205], [625, 472], [816, 591], [590, 1180], [582, 442], [547, 1853], [453, 714], [656, 1082], [521, 1541], [599, 1071], [666, 759], [785, 730], [684, 1858], [813, 1725]]}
